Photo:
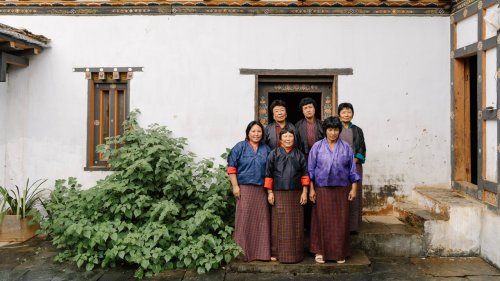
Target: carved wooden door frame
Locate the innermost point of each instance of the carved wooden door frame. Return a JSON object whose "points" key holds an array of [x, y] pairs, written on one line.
{"points": [[292, 85]]}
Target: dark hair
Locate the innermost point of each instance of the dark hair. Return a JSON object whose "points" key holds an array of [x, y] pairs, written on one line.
{"points": [[287, 130], [345, 105], [332, 122], [306, 101], [249, 127], [277, 103]]}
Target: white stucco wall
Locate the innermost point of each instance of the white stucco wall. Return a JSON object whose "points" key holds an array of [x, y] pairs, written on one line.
{"points": [[489, 237], [490, 16], [467, 31], [191, 83], [491, 125], [459, 236]]}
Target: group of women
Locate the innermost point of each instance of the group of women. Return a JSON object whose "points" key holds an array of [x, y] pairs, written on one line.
{"points": [[285, 180]]}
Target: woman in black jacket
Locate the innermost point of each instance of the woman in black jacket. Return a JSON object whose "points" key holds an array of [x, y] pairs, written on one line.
{"points": [[353, 135], [287, 182]]}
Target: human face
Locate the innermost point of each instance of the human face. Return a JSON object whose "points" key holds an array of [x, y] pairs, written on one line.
{"points": [[308, 110], [279, 113], [346, 115], [287, 140], [255, 134], [332, 134]]}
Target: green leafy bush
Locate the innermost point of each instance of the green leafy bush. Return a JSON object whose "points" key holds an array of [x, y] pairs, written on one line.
{"points": [[159, 209]]}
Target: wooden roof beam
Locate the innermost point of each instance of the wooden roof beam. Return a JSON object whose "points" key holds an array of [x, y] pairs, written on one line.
{"points": [[6, 59], [27, 52], [7, 45], [15, 60]]}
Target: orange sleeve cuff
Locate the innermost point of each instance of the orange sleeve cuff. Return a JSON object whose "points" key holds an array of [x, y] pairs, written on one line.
{"points": [[231, 170], [268, 183], [305, 180]]}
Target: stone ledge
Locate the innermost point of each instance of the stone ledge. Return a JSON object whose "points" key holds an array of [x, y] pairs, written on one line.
{"points": [[386, 236], [357, 263], [415, 215]]}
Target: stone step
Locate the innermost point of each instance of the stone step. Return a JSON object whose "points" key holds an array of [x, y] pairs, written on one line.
{"points": [[416, 216], [458, 232], [357, 263], [386, 236], [436, 200]]}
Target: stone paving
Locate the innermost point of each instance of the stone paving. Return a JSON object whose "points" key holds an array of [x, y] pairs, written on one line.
{"points": [[33, 261]]}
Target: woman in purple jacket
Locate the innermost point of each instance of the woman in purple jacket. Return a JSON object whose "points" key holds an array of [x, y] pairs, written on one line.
{"points": [[333, 184]]}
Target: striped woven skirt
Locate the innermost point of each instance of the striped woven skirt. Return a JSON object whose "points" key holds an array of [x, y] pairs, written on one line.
{"points": [[287, 226], [356, 205], [252, 224], [330, 223]]}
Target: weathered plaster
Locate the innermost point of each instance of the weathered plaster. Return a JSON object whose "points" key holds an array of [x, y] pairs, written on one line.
{"points": [[458, 233], [191, 83], [490, 240], [459, 236]]}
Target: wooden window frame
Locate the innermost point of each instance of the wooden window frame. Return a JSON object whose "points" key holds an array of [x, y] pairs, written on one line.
{"points": [[114, 86]]}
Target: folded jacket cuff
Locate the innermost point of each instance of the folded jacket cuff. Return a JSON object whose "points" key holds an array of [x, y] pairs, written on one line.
{"points": [[268, 183], [231, 170], [305, 180]]}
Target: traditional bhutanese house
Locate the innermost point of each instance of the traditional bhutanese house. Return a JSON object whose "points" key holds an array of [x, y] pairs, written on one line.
{"points": [[421, 74]]}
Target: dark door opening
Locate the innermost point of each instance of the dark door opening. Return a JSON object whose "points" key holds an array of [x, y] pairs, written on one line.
{"points": [[472, 66], [292, 100]]}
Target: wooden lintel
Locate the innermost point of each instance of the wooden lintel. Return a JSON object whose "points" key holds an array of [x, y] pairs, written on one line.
{"points": [[108, 69], [466, 51], [297, 72], [14, 60]]}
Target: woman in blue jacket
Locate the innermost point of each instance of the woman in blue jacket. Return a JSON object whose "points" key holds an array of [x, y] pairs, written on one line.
{"points": [[246, 169]]}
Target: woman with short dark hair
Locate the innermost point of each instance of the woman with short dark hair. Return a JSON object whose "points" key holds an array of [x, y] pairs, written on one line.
{"points": [[246, 169], [333, 184], [271, 132], [309, 128], [353, 135], [286, 182]]}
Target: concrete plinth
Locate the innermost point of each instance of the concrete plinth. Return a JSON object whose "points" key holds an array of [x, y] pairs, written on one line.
{"points": [[357, 263]]}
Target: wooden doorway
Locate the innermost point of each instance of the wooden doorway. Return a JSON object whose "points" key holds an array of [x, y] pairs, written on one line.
{"points": [[294, 112], [465, 120], [292, 90]]}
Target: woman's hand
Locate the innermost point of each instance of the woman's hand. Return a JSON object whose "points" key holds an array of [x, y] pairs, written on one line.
{"points": [[353, 192], [270, 198], [303, 198], [312, 195], [236, 192]]}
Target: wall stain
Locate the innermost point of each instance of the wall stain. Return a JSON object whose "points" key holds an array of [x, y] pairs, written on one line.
{"points": [[375, 198]]}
